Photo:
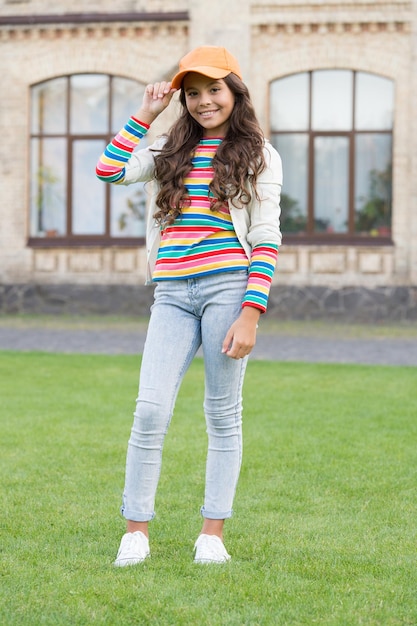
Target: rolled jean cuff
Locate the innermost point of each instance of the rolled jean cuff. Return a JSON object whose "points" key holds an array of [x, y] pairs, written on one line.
{"points": [[215, 515], [135, 516]]}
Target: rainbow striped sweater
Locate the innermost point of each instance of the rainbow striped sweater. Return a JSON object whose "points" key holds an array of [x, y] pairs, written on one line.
{"points": [[200, 241]]}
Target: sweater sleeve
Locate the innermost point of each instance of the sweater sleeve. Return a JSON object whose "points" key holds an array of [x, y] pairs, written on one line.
{"points": [[111, 165], [261, 271]]}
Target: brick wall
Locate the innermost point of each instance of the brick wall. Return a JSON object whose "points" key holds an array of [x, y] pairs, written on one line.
{"points": [[272, 39]]}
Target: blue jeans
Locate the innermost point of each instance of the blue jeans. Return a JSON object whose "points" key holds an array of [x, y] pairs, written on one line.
{"points": [[185, 315]]}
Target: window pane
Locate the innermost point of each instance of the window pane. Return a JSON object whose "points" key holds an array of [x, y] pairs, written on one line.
{"points": [[88, 192], [126, 99], [374, 102], [332, 100], [331, 184], [294, 153], [128, 210], [49, 107], [373, 184], [89, 104], [289, 99], [48, 192]]}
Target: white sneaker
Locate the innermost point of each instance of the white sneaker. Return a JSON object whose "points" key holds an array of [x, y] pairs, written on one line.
{"points": [[210, 549], [134, 548]]}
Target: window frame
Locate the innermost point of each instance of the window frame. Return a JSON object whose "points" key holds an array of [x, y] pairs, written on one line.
{"points": [[71, 240], [321, 238]]}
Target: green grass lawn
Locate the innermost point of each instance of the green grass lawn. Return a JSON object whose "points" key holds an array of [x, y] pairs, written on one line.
{"points": [[324, 530]]}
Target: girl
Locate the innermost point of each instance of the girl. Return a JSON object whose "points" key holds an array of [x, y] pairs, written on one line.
{"points": [[212, 240]]}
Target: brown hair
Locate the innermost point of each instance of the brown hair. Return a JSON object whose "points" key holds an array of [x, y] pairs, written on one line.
{"points": [[239, 158]]}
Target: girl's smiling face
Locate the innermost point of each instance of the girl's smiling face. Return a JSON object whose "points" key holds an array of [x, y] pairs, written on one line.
{"points": [[210, 102]]}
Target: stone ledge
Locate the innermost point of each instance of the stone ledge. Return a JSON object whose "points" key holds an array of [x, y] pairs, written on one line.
{"points": [[75, 299], [349, 304]]}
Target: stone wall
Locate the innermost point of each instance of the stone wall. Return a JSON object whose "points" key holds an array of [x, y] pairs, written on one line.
{"points": [[349, 304]]}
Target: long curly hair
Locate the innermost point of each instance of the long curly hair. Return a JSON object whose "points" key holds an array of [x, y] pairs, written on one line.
{"points": [[237, 164]]}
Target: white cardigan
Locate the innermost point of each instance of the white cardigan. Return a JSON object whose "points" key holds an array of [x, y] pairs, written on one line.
{"points": [[255, 223]]}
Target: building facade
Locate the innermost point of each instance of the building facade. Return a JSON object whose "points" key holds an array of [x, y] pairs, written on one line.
{"points": [[334, 84]]}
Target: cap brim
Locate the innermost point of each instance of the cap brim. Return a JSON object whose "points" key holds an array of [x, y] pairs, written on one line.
{"points": [[211, 72]]}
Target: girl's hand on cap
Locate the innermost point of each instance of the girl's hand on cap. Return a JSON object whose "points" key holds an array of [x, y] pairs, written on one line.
{"points": [[156, 98]]}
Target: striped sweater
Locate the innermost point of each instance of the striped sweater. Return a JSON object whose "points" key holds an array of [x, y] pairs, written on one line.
{"points": [[200, 241]]}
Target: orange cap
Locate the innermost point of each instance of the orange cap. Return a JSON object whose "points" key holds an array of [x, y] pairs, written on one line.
{"points": [[212, 61]]}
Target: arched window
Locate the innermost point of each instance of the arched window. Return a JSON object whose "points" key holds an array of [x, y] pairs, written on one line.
{"points": [[72, 119], [333, 129]]}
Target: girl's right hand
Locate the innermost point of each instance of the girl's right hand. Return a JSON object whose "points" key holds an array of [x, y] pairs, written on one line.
{"points": [[156, 98]]}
